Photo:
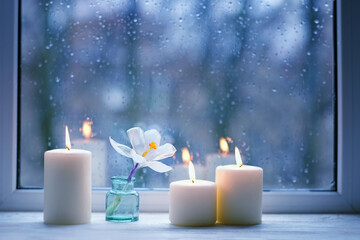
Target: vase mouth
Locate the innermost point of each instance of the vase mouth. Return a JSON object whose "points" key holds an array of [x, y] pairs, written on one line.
{"points": [[122, 178]]}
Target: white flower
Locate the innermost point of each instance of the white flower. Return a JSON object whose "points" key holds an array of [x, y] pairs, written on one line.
{"points": [[146, 150]]}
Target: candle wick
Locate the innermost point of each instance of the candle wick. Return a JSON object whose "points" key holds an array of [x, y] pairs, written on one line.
{"points": [[193, 181], [67, 148]]}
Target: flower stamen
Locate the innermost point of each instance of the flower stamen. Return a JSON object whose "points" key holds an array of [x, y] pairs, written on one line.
{"points": [[152, 146]]}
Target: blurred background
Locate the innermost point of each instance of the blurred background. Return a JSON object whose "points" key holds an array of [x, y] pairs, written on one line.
{"points": [[259, 74]]}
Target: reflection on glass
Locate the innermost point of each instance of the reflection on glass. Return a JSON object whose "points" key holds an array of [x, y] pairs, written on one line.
{"points": [[259, 72]]}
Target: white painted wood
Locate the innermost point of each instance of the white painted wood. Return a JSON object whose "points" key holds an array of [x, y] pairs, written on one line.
{"points": [[29, 225], [348, 50], [345, 199], [8, 98]]}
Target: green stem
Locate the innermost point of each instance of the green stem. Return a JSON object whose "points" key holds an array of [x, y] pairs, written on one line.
{"points": [[116, 203]]}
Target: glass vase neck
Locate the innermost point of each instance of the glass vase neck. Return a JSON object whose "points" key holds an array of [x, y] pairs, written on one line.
{"points": [[122, 183]]}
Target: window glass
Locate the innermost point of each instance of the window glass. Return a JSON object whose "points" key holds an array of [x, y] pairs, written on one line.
{"points": [[258, 73]]}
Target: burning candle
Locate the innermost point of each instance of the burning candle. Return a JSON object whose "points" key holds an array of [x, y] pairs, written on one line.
{"points": [[98, 151], [67, 185], [192, 202], [180, 171], [239, 193], [218, 159]]}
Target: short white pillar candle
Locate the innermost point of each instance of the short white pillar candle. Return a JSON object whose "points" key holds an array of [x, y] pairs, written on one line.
{"points": [[192, 202], [67, 186], [239, 193]]}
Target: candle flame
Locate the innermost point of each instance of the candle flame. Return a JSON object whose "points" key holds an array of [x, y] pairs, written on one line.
{"points": [[239, 162], [224, 147], [67, 138], [186, 157], [86, 129], [192, 172]]}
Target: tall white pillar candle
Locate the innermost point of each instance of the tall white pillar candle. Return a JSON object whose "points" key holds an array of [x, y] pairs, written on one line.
{"points": [[98, 160], [192, 202], [239, 194], [218, 159], [98, 152], [67, 186], [214, 160]]}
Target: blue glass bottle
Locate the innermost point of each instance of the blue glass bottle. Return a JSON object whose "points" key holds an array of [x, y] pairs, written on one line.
{"points": [[122, 201]]}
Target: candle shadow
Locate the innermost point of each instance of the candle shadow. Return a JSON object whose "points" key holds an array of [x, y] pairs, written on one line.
{"points": [[217, 226]]}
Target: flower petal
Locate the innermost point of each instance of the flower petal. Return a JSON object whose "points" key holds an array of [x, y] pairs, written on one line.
{"points": [[137, 158], [164, 151], [137, 139], [158, 166], [122, 149], [152, 135]]}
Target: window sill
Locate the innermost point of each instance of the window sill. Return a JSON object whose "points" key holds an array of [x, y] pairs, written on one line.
{"points": [[29, 225]]}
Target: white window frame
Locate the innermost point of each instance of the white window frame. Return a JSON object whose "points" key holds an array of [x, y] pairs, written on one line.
{"points": [[345, 199]]}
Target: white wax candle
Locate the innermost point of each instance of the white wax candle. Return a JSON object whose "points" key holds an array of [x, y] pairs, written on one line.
{"points": [[239, 194], [180, 171], [192, 203], [98, 161], [67, 186]]}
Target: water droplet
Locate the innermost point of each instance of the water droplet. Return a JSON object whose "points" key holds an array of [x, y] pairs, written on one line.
{"points": [[50, 97], [308, 53], [306, 170], [72, 75], [315, 9], [180, 19], [49, 46], [220, 121], [274, 90], [316, 21]]}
